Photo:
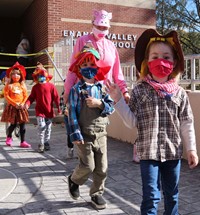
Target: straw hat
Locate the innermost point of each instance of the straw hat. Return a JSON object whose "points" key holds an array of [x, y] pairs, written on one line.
{"points": [[151, 35]]}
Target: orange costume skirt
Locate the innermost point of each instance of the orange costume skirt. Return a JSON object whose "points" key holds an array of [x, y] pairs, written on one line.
{"points": [[13, 115]]}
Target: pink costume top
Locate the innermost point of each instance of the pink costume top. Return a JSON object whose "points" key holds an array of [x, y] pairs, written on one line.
{"points": [[109, 56]]}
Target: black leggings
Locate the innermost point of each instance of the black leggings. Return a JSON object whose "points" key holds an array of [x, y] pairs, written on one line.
{"points": [[22, 130]]}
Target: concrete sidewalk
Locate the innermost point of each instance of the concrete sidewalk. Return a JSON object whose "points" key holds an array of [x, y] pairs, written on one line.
{"points": [[33, 183]]}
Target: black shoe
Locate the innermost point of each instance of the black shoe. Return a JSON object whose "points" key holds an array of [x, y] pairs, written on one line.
{"points": [[46, 146], [98, 201], [73, 189]]}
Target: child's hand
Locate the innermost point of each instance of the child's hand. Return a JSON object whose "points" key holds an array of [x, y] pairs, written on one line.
{"points": [[26, 106], [78, 142], [93, 102], [59, 112], [66, 111], [193, 159], [126, 97], [114, 91], [19, 106]]}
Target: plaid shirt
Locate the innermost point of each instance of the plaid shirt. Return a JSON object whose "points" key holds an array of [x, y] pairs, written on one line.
{"points": [[158, 122], [77, 95]]}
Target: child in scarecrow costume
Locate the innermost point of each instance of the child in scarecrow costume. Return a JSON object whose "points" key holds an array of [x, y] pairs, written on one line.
{"points": [[89, 108], [15, 94], [45, 94], [161, 111]]}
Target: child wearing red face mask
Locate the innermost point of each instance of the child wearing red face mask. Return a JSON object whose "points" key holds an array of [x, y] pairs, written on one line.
{"points": [[161, 111], [15, 93]]}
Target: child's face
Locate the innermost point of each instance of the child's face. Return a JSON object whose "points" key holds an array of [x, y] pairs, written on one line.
{"points": [[160, 50], [41, 79], [16, 75], [88, 63], [160, 61], [88, 69]]}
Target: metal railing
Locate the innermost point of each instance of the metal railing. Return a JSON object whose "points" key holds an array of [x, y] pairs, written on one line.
{"points": [[191, 75], [189, 80]]}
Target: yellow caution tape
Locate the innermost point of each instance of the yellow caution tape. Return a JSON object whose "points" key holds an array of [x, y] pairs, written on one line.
{"points": [[29, 67], [33, 54]]}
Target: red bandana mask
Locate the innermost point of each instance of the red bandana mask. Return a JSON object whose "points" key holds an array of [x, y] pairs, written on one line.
{"points": [[160, 67]]}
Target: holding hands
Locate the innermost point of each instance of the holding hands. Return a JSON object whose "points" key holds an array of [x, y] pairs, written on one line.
{"points": [[20, 106]]}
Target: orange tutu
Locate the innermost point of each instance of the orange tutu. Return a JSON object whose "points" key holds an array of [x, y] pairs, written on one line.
{"points": [[14, 115]]}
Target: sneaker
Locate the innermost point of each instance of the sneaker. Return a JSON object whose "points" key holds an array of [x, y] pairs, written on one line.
{"points": [[73, 189], [70, 152], [46, 146], [24, 144], [8, 141], [99, 202], [41, 148]]}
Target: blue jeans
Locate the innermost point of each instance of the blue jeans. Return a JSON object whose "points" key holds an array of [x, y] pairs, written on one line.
{"points": [[154, 172]]}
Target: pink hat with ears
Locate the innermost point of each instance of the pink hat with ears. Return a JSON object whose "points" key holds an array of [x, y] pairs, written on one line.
{"points": [[102, 18]]}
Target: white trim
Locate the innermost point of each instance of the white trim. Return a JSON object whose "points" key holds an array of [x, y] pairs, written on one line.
{"points": [[146, 4], [130, 25]]}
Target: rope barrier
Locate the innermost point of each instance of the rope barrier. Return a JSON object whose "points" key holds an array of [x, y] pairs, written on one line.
{"points": [[29, 67], [35, 54], [23, 55], [27, 55]]}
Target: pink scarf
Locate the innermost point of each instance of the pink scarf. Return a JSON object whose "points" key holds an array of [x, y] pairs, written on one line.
{"points": [[165, 90]]}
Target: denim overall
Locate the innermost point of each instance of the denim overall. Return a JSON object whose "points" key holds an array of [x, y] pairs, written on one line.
{"points": [[93, 153]]}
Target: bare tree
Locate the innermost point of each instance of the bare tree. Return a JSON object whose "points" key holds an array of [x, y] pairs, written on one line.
{"points": [[197, 2], [183, 16]]}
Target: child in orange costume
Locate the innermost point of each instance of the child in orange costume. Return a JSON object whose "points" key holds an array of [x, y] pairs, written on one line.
{"points": [[15, 93]]}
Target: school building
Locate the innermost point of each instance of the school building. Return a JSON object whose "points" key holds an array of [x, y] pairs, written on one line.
{"points": [[54, 25], [47, 22]]}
